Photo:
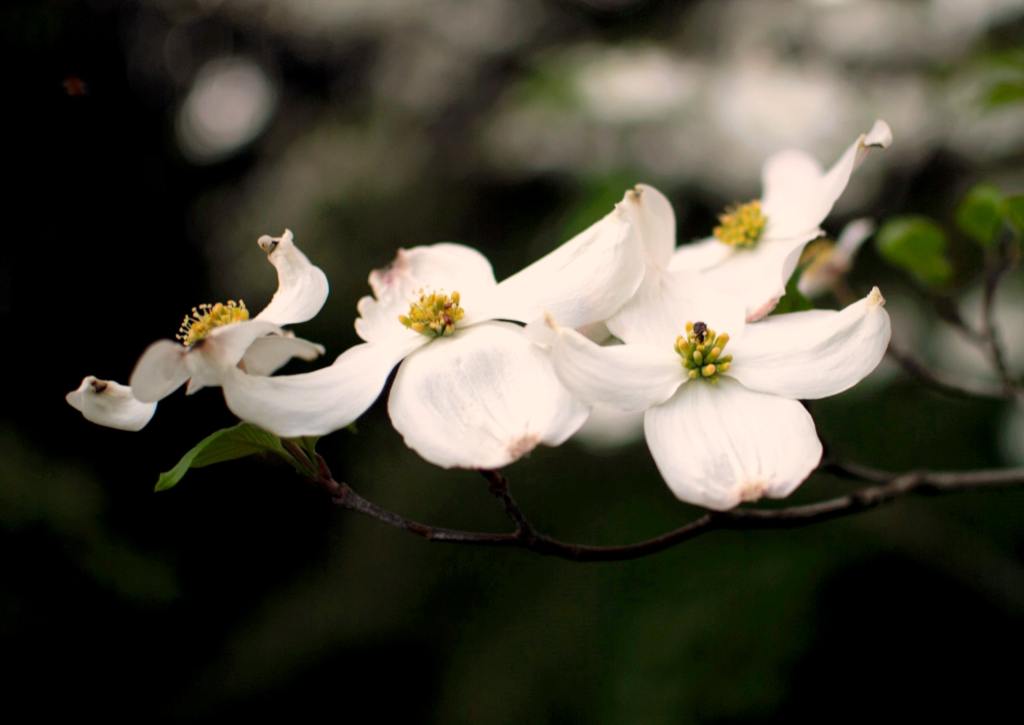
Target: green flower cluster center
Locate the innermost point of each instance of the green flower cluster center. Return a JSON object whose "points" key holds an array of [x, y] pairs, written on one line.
{"points": [[701, 350], [205, 318], [741, 225], [434, 315]]}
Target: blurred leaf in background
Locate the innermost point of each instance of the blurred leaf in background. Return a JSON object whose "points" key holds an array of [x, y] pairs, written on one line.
{"points": [[916, 244]]}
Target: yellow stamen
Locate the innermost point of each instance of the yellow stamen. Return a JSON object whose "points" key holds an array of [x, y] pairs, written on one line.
{"points": [[701, 350], [205, 318], [434, 315], [741, 225]]}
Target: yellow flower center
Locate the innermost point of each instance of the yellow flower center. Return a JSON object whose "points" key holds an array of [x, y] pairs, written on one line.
{"points": [[741, 225], [434, 315], [205, 318], [701, 350]]}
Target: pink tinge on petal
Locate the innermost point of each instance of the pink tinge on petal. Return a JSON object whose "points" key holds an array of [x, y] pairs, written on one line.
{"points": [[763, 311], [386, 279]]}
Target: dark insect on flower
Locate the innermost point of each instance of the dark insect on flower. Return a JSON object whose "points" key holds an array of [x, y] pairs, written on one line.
{"points": [[700, 330]]}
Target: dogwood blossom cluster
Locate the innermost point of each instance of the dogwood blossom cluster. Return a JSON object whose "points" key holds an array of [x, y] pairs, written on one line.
{"points": [[617, 318]]}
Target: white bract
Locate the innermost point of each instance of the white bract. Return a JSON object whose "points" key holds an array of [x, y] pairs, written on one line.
{"points": [[756, 245], [471, 390], [111, 404], [724, 424], [215, 338]]}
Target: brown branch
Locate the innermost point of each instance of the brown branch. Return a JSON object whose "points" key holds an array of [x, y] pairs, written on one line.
{"points": [[997, 264], [886, 488], [498, 486], [925, 375]]}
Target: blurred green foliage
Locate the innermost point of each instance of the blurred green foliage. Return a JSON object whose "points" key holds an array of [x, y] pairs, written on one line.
{"points": [[981, 213], [917, 245]]}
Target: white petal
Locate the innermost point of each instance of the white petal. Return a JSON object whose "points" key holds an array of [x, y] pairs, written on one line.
{"points": [[813, 354], [301, 287], [444, 266], [757, 277], [441, 267], [790, 182], [797, 196], [266, 354], [610, 428], [628, 377], [378, 319], [652, 215], [226, 345], [315, 403], [481, 398], [659, 311], [585, 280], [160, 371], [111, 404], [835, 181], [853, 237], [221, 350], [700, 255], [717, 445]]}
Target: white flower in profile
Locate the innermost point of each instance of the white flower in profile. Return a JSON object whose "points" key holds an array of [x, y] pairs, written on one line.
{"points": [[756, 245], [215, 338], [724, 425], [827, 262], [471, 391]]}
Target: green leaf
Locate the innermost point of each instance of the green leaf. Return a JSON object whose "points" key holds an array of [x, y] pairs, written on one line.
{"points": [[793, 300], [308, 444], [980, 214], [1004, 93], [1014, 208], [918, 245], [227, 444]]}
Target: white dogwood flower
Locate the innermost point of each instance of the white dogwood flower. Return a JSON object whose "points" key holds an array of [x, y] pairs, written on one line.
{"points": [[756, 245], [826, 263], [724, 424], [217, 337], [471, 391]]}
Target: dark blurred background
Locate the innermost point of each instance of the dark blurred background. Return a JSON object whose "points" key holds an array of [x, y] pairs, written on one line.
{"points": [[160, 139]]}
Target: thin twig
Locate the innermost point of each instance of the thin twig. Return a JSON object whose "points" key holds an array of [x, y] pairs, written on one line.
{"points": [[498, 485], [887, 487], [925, 375], [997, 263], [947, 310]]}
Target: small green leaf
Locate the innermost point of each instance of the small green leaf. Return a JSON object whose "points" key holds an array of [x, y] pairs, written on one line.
{"points": [[980, 214], [1004, 93], [793, 300], [227, 444], [917, 245], [1015, 211], [308, 444]]}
